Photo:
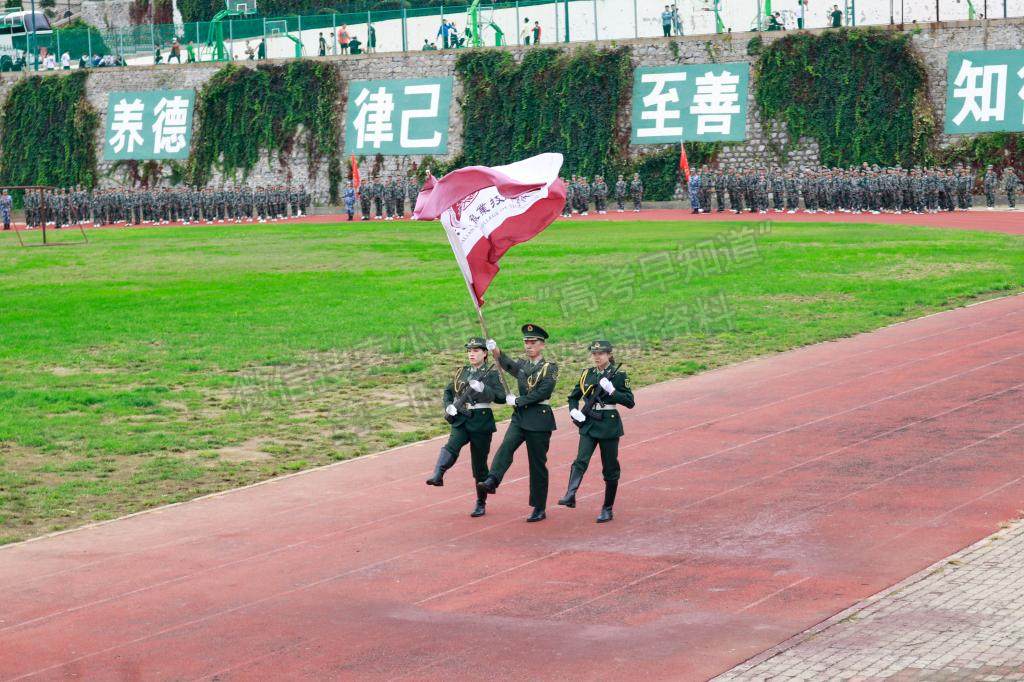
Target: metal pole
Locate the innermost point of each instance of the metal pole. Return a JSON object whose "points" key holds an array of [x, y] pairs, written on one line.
{"points": [[892, 14], [936, 11], [595, 19], [636, 21], [405, 30], [33, 47], [1004, 9], [517, 22], [566, 20], [555, 5], [88, 41], [334, 35]]}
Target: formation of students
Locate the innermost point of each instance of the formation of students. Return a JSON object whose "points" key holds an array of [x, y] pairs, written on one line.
{"points": [[850, 190], [593, 408], [78, 206]]}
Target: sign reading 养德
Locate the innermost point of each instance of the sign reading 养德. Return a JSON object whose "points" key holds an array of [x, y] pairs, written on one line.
{"points": [[985, 92], [690, 102], [152, 124], [397, 117]]}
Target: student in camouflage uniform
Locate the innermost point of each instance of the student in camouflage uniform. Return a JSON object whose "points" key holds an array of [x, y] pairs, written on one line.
{"points": [[990, 182], [364, 202], [583, 194], [620, 194], [636, 192], [1010, 184], [570, 197], [600, 191], [412, 192], [720, 183], [377, 193], [467, 407]]}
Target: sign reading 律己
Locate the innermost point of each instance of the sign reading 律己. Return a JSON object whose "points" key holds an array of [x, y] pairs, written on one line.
{"points": [[687, 103], [398, 117], [152, 124], [985, 92]]}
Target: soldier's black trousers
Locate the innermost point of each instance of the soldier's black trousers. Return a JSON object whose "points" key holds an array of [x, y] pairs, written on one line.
{"points": [[479, 446], [609, 456], [537, 443]]}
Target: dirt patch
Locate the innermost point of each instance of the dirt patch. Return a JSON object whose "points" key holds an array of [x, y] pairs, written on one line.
{"points": [[249, 451]]}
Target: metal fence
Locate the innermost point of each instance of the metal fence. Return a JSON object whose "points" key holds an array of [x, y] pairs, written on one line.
{"points": [[403, 29]]}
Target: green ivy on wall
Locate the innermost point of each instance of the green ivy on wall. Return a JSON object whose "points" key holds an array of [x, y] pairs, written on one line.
{"points": [[242, 112], [553, 101], [49, 133], [860, 93], [999, 149]]}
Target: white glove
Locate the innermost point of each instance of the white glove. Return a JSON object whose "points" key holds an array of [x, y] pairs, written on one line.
{"points": [[451, 410], [577, 415], [491, 344], [477, 386], [607, 385], [510, 400]]}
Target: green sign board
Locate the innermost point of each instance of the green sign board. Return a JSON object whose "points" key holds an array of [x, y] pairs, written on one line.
{"points": [[152, 124], [691, 102], [398, 117], [985, 91]]}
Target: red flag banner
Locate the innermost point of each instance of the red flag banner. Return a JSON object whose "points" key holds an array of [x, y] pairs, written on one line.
{"points": [[486, 211], [356, 180], [684, 163]]}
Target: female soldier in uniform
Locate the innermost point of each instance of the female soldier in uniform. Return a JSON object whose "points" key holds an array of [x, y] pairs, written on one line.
{"points": [[602, 387], [467, 407]]}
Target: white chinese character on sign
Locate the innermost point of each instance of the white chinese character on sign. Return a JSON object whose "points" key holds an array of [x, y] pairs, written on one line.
{"points": [[127, 125], [1020, 93], [434, 90], [716, 101], [373, 122], [170, 125], [983, 90], [660, 98]]}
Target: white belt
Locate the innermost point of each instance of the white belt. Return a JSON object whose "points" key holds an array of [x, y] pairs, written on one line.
{"points": [[542, 402], [603, 407], [478, 406]]}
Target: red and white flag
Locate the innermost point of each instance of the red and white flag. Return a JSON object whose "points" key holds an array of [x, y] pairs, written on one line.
{"points": [[356, 179], [486, 211]]}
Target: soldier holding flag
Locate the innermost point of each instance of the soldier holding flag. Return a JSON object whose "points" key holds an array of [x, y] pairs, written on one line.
{"points": [[532, 419]]}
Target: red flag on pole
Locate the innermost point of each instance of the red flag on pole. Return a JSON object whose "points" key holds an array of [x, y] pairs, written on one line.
{"points": [[356, 181], [486, 211], [684, 164]]}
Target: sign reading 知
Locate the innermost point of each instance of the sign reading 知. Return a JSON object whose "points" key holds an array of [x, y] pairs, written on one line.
{"points": [[398, 117], [692, 102], [985, 92], [152, 124]]}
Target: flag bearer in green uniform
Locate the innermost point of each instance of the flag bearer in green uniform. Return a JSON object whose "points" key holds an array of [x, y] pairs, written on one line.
{"points": [[532, 418], [602, 388], [467, 407]]}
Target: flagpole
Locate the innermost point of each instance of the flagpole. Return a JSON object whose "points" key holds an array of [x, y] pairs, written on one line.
{"points": [[483, 328]]}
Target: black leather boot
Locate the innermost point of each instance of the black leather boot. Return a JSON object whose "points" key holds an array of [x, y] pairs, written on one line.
{"points": [[445, 459], [610, 488], [488, 485], [575, 478], [537, 515], [481, 504]]}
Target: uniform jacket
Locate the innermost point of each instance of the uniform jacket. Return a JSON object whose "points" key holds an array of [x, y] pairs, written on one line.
{"points": [[611, 425], [536, 384]]}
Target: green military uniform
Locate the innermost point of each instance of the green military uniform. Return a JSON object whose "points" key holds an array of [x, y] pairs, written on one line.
{"points": [[600, 425], [532, 423], [467, 404]]}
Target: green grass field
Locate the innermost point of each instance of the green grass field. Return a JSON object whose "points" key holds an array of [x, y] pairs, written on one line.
{"points": [[156, 365]]}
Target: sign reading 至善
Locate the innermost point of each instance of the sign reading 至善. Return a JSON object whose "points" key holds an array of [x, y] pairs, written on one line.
{"points": [[152, 124], [985, 92], [398, 117], [692, 102]]}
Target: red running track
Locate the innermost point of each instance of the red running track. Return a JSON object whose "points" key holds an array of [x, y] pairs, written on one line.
{"points": [[757, 500]]}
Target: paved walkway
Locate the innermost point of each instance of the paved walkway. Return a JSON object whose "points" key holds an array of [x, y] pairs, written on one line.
{"points": [[757, 501], [961, 619]]}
